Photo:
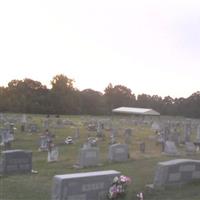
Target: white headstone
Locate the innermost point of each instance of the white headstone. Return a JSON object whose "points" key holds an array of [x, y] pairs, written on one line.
{"points": [[53, 155]]}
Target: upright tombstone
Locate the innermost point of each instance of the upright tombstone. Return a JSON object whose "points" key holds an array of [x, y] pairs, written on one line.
{"points": [[99, 129], [59, 123], [1, 118], [6, 138], [53, 154], [11, 129], [190, 148], [142, 147], [170, 149], [77, 133], [166, 131], [156, 126], [88, 156], [175, 136], [187, 132], [46, 123], [176, 172], [23, 122], [16, 161], [114, 132], [83, 186], [198, 133], [127, 135], [43, 143], [33, 128], [118, 152]]}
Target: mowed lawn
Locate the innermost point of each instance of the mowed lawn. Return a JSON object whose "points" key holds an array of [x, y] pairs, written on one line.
{"points": [[140, 168]]}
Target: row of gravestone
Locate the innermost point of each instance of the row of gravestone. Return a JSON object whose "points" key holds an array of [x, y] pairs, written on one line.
{"points": [[90, 156], [79, 186], [18, 160], [169, 148], [95, 185]]}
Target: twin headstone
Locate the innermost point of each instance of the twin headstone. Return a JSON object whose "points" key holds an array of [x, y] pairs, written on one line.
{"points": [[176, 172], [83, 186]]}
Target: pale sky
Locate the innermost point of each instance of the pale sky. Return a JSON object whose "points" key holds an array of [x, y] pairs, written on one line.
{"points": [[152, 47]]}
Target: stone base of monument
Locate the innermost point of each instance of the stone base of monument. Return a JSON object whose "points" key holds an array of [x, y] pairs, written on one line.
{"points": [[78, 166]]}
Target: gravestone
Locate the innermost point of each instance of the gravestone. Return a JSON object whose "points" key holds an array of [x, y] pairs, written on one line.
{"points": [[127, 135], [156, 126], [142, 147], [166, 131], [24, 119], [83, 186], [33, 128], [1, 118], [88, 156], [198, 133], [170, 148], [176, 172], [190, 148], [99, 129], [46, 123], [118, 152], [77, 133], [175, 136], [6, 138], [187, 132], [16, 161], [59, 123], [23, 122], [43, 143], [53, 155], [11, 129], [114, 132]]}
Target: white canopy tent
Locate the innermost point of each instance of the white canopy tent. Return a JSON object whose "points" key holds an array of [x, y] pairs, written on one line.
{"points": [[135, 111]]}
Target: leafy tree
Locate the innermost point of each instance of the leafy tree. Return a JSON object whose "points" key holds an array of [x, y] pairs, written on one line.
{"points": [[92, 102], [118, 96], [26, 96], [64, 96]]}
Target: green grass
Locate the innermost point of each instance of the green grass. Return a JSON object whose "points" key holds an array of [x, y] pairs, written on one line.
{"points": [[140, 168]]}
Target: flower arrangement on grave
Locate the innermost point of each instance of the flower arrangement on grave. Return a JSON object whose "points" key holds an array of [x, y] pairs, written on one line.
{"points": [[140, 196], [119, 187]]}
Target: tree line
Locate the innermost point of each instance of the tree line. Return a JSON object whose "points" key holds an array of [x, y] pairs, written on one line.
{"points": [[30, 96]]}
